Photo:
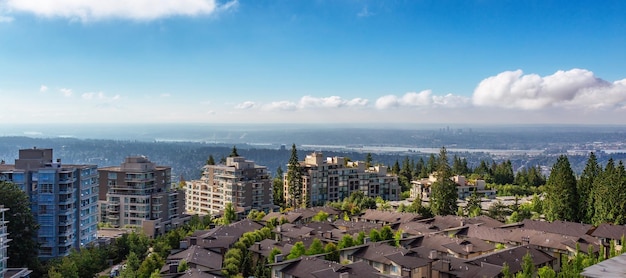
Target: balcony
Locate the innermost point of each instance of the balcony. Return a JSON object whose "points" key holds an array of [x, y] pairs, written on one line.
{"points": [[66, 212], [66, 201], [65, 223], [65, 232], [67, 190], [113, 209]]}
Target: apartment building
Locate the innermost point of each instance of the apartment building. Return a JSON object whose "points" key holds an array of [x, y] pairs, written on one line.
{"points": [[139, 194], [241, 182], [331, 179], [64, 199], [421, 188]]}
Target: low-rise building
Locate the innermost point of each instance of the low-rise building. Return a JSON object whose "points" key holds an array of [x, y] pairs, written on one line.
{"points": [[465, 188]]}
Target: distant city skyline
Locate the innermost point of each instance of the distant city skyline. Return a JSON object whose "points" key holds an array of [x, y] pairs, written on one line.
{"points": [[344, 61]]}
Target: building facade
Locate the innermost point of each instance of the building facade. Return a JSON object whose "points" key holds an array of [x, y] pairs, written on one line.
{"points": [[331, 180], [64, 199], [139, 194], [421, 188], [240, 182]]}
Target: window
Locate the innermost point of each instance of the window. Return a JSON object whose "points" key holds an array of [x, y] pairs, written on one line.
{"points": [[46, 188]]}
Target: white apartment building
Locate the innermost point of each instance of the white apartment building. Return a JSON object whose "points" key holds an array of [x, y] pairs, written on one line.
{"points": [[330, 180], [240, 182], [421, 188]]}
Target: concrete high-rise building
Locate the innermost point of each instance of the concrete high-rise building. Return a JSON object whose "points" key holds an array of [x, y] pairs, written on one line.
{"points": [[139, 194], [330, 180], [240, 182], [64, 199]]}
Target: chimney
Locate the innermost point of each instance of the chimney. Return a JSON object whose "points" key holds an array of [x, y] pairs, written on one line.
{"points": [[257, 246], [469, 247], [432, 255]]}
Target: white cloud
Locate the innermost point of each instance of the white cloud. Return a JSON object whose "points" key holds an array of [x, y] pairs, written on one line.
{"points": [[66, 92], [422, 99], [100, 96], [574, 89], [364, 12], [165, 95], [43, 88], [245, 105], [330, 102], [282, 105], [92, 10]]}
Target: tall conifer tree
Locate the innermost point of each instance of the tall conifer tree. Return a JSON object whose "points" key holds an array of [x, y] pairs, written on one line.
{"points": [[294, 179], [562, 198], [443, 192], [585, 188]]}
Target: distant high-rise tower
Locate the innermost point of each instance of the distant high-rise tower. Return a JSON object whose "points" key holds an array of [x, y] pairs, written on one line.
{"points": [[140, 194], [64, 199]]}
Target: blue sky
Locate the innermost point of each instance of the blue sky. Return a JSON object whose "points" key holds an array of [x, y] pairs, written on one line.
{"points": [[335, 61]]}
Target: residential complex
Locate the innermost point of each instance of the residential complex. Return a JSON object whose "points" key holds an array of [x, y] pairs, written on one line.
{"points": [[421, 188], [331, 179], [139, 194], [64, 199], [240, 182]]}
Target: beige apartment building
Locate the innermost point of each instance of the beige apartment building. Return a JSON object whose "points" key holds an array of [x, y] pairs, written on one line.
{"points": [[139, 194], [240, 182], [330, 180]]}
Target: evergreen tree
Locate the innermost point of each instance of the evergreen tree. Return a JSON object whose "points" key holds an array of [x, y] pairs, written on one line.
{"points": [[609, 196], [443, 191], [233, 153], [294, 179], [561, 197], [585, 188], [368, 160], [395, 169], [419, 168], [210, 160], [474, 207], [431, 165], [277, 188]]}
